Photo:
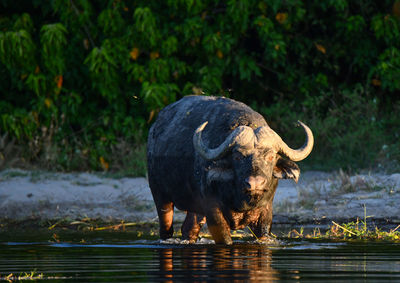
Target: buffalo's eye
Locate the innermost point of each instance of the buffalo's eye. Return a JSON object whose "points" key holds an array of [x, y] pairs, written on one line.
{"points": [[238, 157]]}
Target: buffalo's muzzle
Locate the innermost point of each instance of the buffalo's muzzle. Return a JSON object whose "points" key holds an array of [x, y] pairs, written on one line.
{"points": [[254, 183]]}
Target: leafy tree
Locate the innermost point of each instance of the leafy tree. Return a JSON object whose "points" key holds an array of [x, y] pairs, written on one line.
{"points": [[82, 78]]}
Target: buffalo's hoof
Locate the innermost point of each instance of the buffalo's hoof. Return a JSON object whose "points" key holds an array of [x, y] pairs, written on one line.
{"points": [[188, 242], [268, 240]]}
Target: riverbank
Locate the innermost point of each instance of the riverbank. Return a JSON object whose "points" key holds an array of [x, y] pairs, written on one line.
{"points": [[319, 197]]}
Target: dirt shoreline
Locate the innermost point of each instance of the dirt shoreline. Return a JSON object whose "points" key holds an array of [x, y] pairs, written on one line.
{"points": [[319, 197]]}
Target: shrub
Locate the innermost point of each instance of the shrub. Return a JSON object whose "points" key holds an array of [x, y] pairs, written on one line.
{"points": [[80, 77]]}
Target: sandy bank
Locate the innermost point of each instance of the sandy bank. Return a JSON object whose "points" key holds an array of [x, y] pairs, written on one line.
{"points": [[317, 196]]}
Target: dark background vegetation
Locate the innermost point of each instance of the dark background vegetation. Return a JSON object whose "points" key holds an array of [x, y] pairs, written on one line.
{"points": [[82, 81]]}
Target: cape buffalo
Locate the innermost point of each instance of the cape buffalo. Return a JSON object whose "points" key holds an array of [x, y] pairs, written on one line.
{"points": [[218, 160]]}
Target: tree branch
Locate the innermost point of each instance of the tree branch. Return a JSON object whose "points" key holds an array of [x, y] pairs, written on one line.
{"points": [[86, 29]]}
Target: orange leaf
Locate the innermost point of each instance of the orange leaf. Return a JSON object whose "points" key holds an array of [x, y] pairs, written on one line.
{"points": [[320, 48], [260, 22], [220, 55], [277, 47], [86, 43], [376, 82], [47, 102], [134, 53], [59, 81], [154, 55], [281, 17], [104, 164], [37, 70], [151, 116]]}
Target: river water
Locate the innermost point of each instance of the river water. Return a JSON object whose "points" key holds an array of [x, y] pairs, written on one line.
{"points": [[100, 258]]}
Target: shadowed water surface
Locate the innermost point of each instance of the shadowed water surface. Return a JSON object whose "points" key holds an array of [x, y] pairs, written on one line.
{"points": [[101, 258]]}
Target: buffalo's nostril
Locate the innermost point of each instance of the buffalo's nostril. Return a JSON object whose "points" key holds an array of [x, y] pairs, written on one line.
{"points": [[248, 184]]}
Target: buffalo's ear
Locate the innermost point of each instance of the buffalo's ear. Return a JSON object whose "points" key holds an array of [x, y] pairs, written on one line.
{"points": [[286, 169]]}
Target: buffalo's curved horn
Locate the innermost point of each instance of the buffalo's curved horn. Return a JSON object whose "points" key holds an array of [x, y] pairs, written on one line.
{"points": [[302, 152], [242, 135], [268, 137]]}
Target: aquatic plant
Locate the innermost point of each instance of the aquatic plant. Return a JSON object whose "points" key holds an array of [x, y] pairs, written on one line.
{"points": [[33, 275]]}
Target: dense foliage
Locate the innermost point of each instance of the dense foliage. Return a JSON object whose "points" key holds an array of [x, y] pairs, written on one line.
{"points": [[81, 81]]}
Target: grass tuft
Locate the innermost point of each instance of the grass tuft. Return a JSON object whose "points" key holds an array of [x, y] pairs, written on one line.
{"points": [[354, 230]]}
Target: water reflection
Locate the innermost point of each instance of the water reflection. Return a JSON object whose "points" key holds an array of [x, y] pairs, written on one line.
{"points": [[150, 261], [293, 262], [205, 264]]}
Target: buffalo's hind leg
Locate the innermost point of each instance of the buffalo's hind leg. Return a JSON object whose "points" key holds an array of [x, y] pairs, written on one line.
{"points": [[165, 208], [165, 213], [191, 226]]}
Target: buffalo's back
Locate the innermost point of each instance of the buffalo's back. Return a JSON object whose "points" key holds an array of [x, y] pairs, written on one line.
{"points": [[174, 168]]}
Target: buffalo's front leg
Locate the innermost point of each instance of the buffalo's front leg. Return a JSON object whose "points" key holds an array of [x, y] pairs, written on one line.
{"points": [[262, 228], [191, 226], [165, 213], [218, 226]]}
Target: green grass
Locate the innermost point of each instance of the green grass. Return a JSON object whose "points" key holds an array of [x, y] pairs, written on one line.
{"points": [[354, 230], [12, 174]]}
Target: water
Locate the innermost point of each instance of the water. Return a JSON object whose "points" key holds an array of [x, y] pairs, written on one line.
{"points": [[113, 257]]}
